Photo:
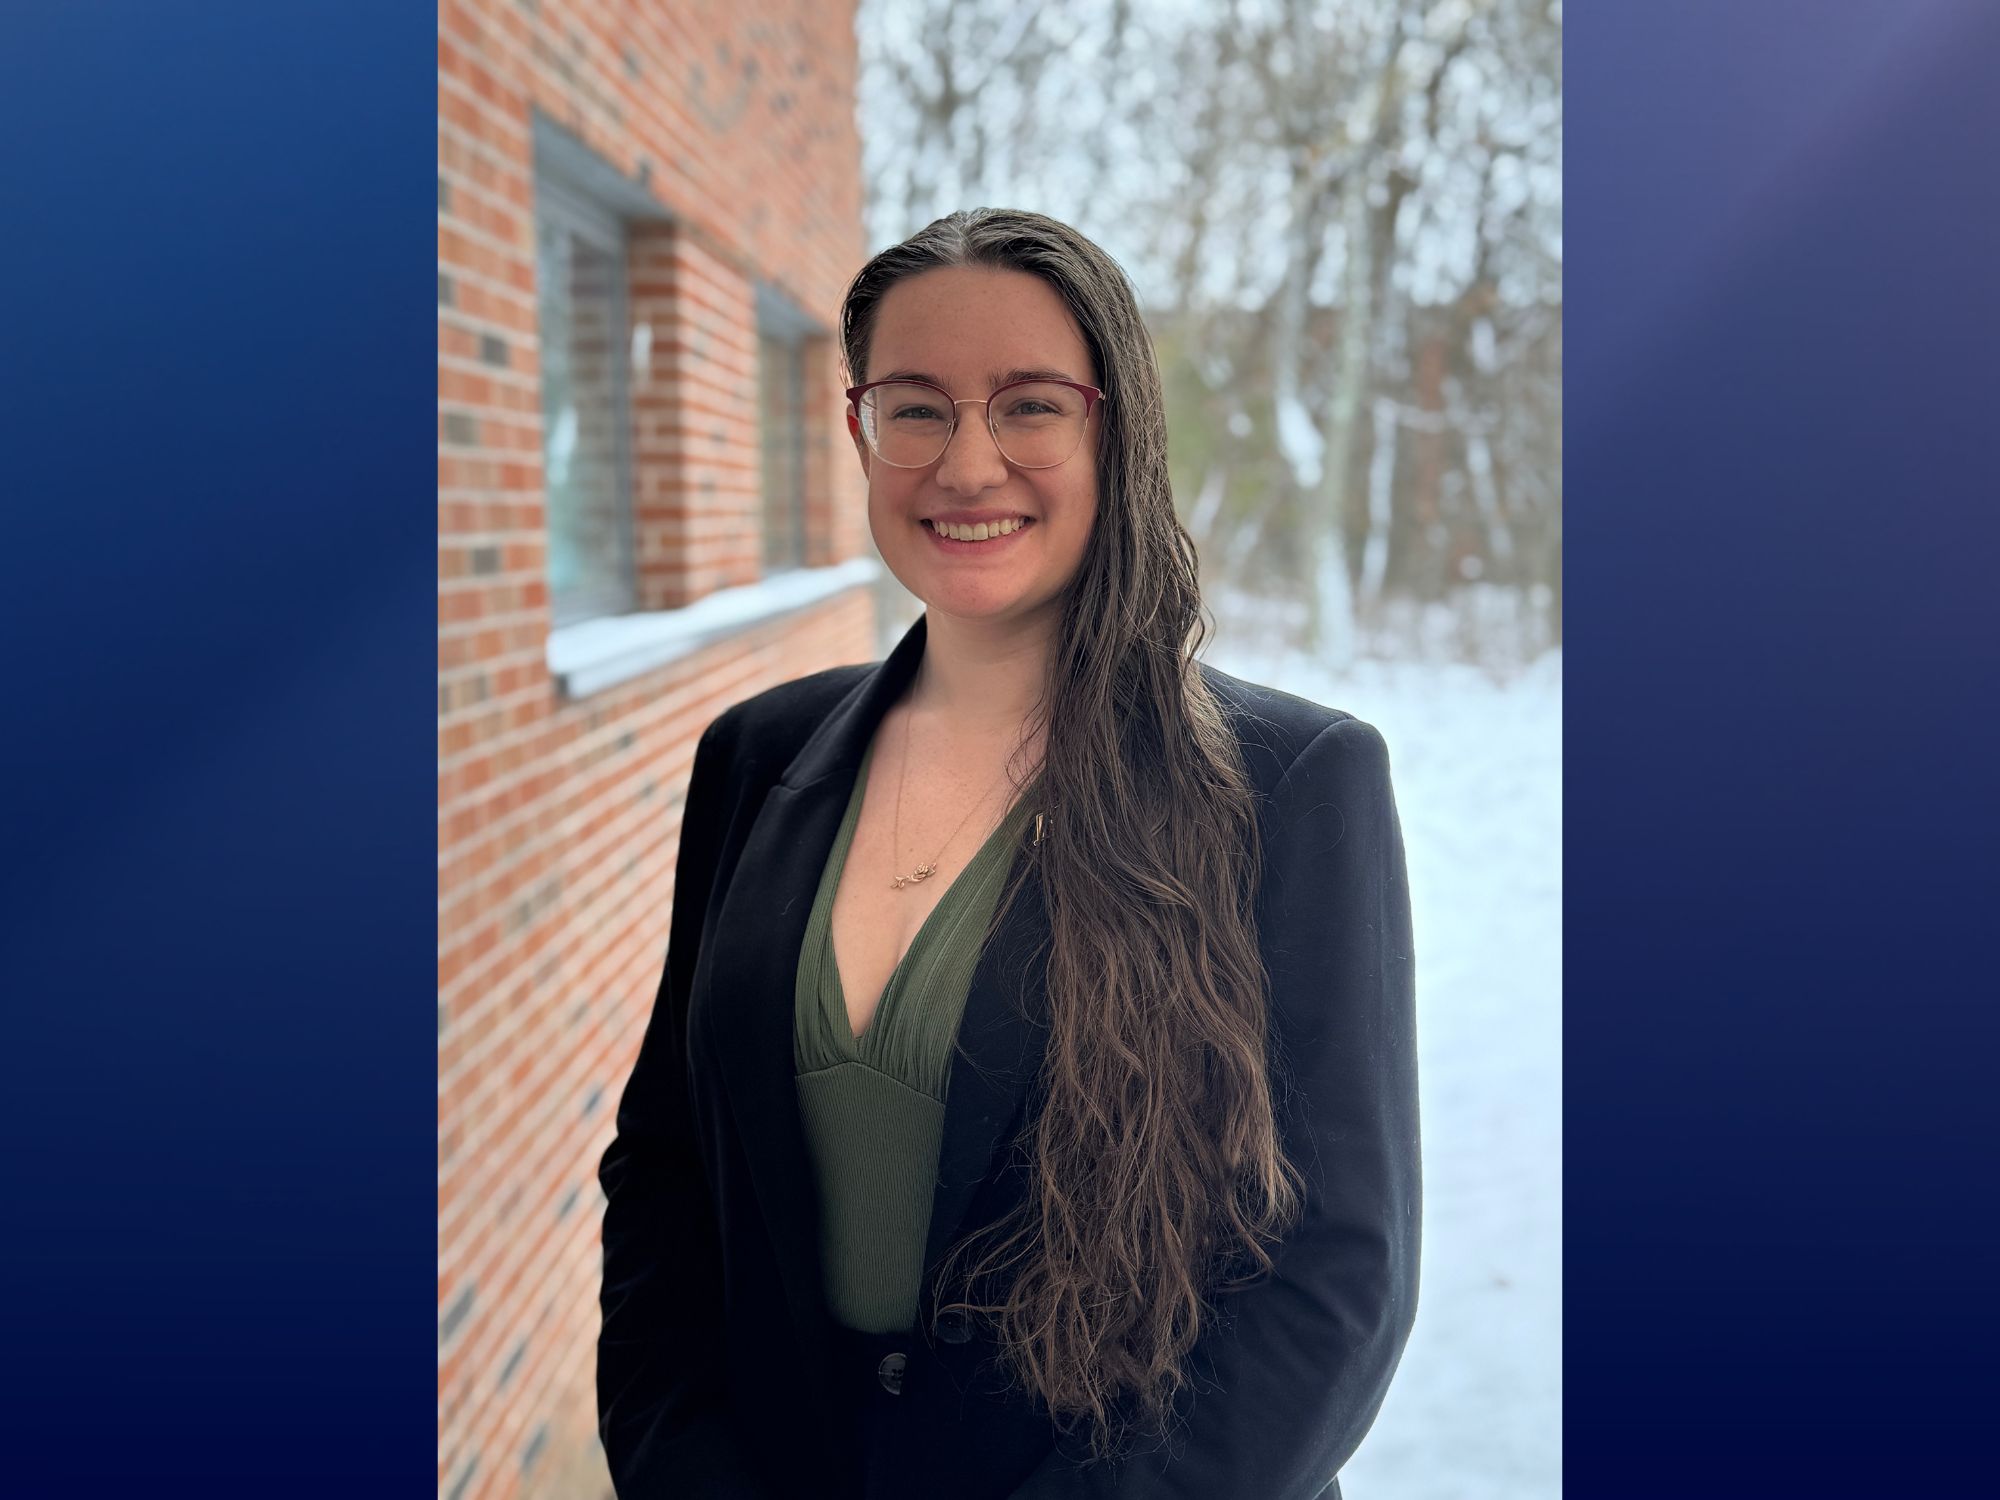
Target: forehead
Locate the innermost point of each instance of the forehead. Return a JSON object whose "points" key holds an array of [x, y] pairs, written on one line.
{"points": [[967, 326]]}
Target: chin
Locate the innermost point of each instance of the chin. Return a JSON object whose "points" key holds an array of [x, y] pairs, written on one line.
{"points": [[974, 603], [991, 602]]}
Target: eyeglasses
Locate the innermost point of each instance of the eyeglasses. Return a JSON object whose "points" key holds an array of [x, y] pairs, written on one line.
{"points": [[1036, 424]]}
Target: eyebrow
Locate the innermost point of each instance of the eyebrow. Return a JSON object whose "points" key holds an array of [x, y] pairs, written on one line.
{"points": [[995, 379]]}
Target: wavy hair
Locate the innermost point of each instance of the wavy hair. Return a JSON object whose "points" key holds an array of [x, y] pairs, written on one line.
{"points": [[1156, 1171]]}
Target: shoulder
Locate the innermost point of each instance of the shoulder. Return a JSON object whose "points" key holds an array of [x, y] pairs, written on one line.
{"points": [[1284, 736], [773, 725]]}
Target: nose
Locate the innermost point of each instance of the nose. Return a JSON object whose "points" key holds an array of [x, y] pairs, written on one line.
{"points": [[971, 461]]}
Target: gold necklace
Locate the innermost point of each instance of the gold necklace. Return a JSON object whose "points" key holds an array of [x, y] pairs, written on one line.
{"points": [[922, 872]]}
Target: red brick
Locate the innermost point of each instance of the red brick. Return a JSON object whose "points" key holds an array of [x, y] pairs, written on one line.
{"points": [[539, 812]]}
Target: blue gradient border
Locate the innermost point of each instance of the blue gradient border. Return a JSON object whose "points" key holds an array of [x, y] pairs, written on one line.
{"points": [[218, 1267], [217, 941], [1783, 242]]}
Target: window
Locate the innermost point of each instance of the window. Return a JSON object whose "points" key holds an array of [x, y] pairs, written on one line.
{"points": [[781, 425], [784, 335], [648, 404], [586, 421]]}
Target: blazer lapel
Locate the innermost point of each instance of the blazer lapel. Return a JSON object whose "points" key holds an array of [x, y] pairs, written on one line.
{"points": [[754, 948], [1000, 1045]]}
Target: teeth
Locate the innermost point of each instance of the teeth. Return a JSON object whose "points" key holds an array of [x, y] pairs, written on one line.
{"points": [[983, 531]]}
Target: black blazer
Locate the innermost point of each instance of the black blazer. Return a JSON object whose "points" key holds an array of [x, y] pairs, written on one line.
{"points": [[715, 1365]]}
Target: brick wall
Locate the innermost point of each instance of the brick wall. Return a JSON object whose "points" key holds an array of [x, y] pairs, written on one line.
{"points": [[557, 818]]}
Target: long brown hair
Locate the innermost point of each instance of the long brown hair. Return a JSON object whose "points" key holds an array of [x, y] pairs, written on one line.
{"points": [[1155, 1165]]}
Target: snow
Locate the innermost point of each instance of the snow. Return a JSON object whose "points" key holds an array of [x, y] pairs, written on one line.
{"points": [[1475, 1408], [589, 656]]}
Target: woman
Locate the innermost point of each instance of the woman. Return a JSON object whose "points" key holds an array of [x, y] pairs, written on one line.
{"points": [[1029, 1108]]}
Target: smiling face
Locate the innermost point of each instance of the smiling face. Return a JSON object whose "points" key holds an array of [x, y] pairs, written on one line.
{"points": [[969, 330]]}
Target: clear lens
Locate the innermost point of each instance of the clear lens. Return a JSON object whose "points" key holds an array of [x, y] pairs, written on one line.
{"points": [[1036, 423], [906, 424]]}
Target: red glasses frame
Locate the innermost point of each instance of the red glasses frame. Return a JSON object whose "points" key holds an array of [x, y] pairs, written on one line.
{"points": [[1092, 399]]}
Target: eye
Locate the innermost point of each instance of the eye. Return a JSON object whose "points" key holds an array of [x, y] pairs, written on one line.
{"points": [[1038, 403], [910, 405]]}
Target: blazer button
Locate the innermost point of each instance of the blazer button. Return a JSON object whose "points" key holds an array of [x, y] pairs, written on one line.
{"points": [[890, 1373], [954, 1328]]}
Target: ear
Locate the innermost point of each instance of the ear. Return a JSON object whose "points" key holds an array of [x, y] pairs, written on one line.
{"points": [[860, 443]]}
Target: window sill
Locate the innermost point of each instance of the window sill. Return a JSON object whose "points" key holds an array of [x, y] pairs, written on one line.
{"points": [[592, 655]]}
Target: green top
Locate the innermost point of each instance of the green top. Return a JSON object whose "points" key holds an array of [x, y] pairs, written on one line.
{"points": [[873, 1105]]}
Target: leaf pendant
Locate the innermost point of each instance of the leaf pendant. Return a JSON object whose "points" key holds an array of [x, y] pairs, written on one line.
{"points": [[922, 872]]}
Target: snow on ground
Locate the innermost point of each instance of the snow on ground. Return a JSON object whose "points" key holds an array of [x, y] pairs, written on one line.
{"points": [[1475, 1410]]}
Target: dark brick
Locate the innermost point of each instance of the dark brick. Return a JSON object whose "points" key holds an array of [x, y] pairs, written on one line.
{"points": [[536, 1443], [647, 791], [592, 1099], [568, 1206], [631, 62], [486, 559], [444, 697], [465, 1474], [493, 349], [455, 1314], [627, 740], [445, 290], [519, 1353], [459, 427], [444, 196]]}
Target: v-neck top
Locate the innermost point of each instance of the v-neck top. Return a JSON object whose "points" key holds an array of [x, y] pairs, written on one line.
{"points": [[873, 1106]]}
